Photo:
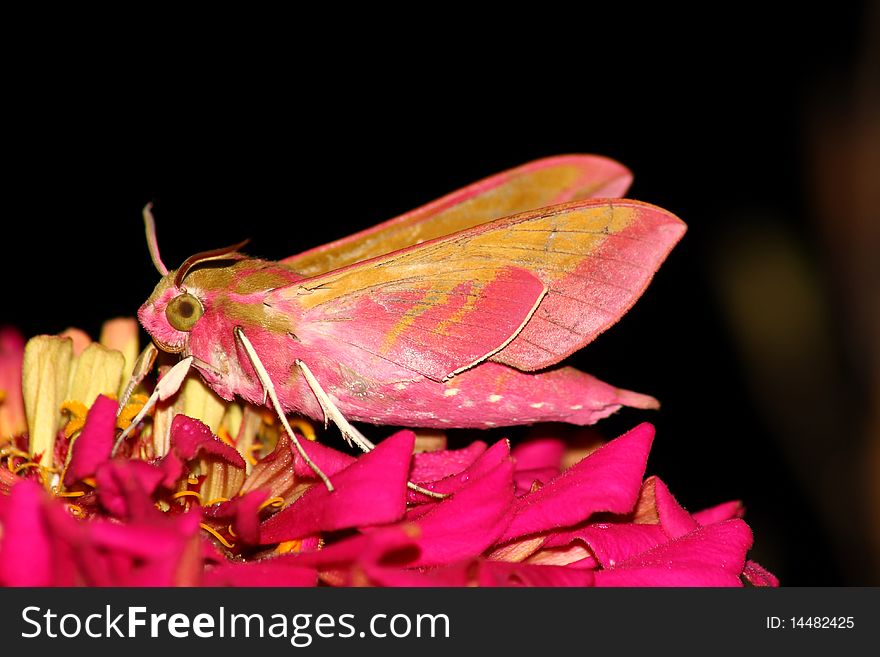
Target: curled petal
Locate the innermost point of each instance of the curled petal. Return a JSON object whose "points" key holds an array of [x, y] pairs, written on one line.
{"points": [[612, 543], [191, 438]]}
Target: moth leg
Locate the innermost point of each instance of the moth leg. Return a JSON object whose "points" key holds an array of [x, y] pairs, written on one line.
{"points": [[167, 386], [269, 389], [331, 412], [349, 433], [142, 367]]}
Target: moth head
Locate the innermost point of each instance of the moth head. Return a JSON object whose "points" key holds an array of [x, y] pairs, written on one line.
{"points": [[178, 302]]}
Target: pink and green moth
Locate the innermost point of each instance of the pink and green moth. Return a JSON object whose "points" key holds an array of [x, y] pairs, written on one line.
{"points": [[456, 314]]}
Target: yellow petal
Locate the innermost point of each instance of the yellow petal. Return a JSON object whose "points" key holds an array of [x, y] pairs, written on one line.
{"points": [[232, 419], [202, 403], [121, 334], [221, 479], [45, 373], [98, 372]]}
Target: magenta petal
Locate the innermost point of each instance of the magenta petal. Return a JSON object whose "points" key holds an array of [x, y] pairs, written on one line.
{"points": [[612, 543], [539, 454], [725, 511], [757, 575], [329, 460], [722, 545], [697, 575], [486, 462], [268, 572], [464, 525], [162, 553], [537, 460], [26, 549], [95, 443], [189, 437], [370, 491], [447, 576], [244, 512], [125, 486], [502, 573], [609, 479], [392, 545], [433, 466], [673, 518]]}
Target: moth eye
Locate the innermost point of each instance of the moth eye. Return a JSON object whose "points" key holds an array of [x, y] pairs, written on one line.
{"points": [[184, 311]]}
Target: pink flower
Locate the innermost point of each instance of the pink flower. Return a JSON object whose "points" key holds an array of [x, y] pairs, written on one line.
{"points": [[198, 515]]}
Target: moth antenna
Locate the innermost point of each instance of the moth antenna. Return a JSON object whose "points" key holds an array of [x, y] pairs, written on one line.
{"points": [[224, 253], [152, 242]]}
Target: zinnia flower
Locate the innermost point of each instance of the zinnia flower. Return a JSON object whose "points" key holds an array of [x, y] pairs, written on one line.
{"points": [[223, 499]]}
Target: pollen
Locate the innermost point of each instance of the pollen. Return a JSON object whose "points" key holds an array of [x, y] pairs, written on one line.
{"points": [[305, 427], [576, 407], [494, 398], [289, 546], [77, 411], [132, 408], [450, 392], [537, 405]]}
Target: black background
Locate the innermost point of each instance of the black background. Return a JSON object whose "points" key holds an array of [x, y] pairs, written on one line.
{"points": [[294, 142]]}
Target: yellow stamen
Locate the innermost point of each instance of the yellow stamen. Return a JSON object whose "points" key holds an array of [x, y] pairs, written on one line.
{"points": [[76, 511], [216, 500], [223, 435], [305, 427], [192, 481], [272, 501], [216, 535], [288, 546], [90, 481], [11, 451], [256, 447], [26, 464], [70, 493], [186, 493], [231, 532]]}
